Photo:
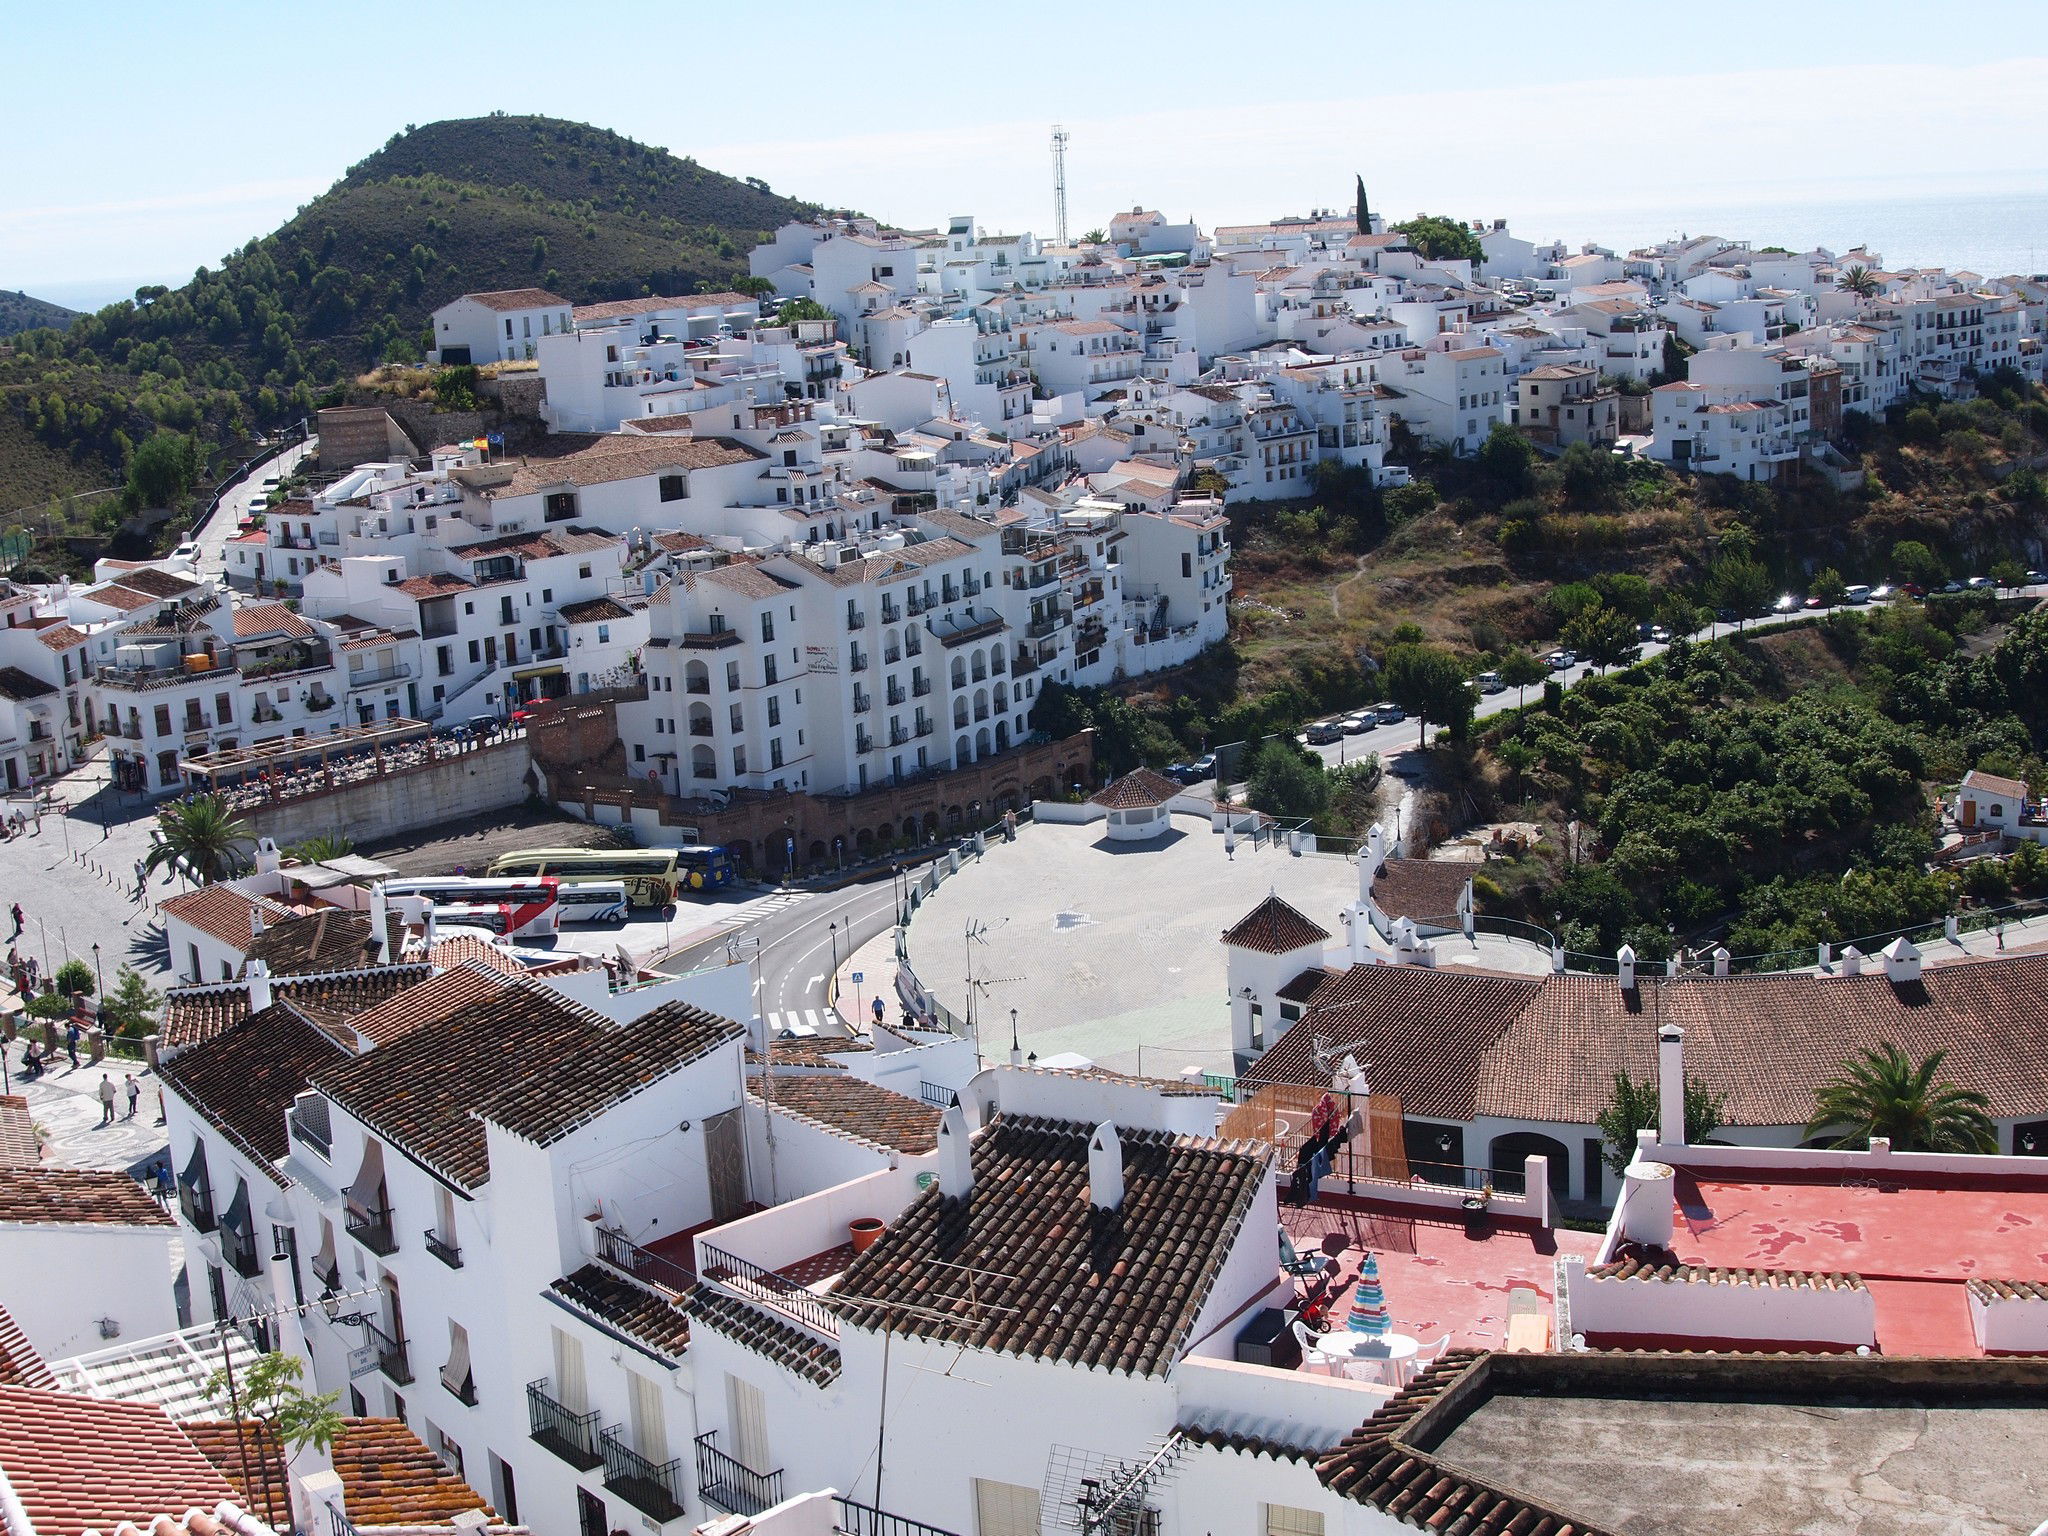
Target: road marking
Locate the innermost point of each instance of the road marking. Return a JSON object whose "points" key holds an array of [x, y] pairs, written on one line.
{"points": [[813, 981]]}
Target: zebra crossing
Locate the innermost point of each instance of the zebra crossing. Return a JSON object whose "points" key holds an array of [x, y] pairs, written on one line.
{"points": [[754, 911], [802, 1021]]}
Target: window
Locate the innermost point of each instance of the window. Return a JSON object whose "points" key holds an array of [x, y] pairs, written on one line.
{"points": [[738, 722], [768, 670], [604, 634], [767, 625], [559, 506], [748, 1417], [775, 713], [674, 487], [732, 677], [775, 752], [583, 572], [1285, 1520], [568, 1385], [1004, 1509], [650, 1423]]}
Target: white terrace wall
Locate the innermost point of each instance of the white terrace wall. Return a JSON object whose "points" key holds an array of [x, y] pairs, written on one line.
{"points": [[1789, 1311], [2010, 1324]]}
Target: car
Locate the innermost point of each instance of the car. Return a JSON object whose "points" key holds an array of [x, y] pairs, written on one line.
{"points": [[1643, 630], [1490, 683], [1857, 594], [1912, 589], [1814, 602], [1726, 616], [1788, 603], [1390, 714], [1203, 767], [1178, 772], [1659, 635], [1322, 734], [1884, 592], [1358, 724], [1562, 660], [1981, 583], [1951, 586], [2036, 578]]}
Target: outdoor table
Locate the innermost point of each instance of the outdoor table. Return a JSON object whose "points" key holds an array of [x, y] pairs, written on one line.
{"points": [[1340, 1345]]}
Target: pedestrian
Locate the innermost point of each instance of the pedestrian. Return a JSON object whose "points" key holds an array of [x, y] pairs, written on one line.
{"points": [[134, 1096], [35, 972], [163, 1182], [141, 878], [32, 1062], [880, 1010], [71, 1047], [20, 921], [106, 1093]]}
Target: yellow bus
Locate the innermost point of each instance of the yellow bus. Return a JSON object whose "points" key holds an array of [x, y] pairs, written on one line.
{"points": [[653, 877]]}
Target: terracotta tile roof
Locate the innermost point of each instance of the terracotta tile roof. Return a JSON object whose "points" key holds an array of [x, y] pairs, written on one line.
{"points": [[657, 1322], [18, 1147], [155, 583], [818, 1051], [224, 913], [76, 1197], [1983, 1290], [473, 949], [1993, 784], [1303, 987], [434, 584], [1246, 1442], [1420, 888], [270, 619], [433, 1000], [21, 1364], [244, 1079], [1274, 928], [1060, 1279], [81, 1463], [618, 308], [852, 1106], [331, 939], [595, 611], [753, 1328], [192, 1014], [526, 1058], [114, 595], [1140, 789], [541, 544], [518, 298], [388, 1476], [62, 637], [20, 686], [1659, 1265], [620, 456]]}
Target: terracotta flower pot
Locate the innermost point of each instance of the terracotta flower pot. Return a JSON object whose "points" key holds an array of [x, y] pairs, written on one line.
{"points": [[864, 1231]]}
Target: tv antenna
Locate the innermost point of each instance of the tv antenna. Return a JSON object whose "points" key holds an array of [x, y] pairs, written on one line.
{"points": [[1100, 1495], [1059, 184]]}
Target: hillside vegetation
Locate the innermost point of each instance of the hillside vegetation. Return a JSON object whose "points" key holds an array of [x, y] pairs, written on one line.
{"points": [[349, 282], [19, 312]]}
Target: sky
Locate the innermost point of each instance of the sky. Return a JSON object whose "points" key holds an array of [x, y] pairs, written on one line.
{"points": [[207, 124]]}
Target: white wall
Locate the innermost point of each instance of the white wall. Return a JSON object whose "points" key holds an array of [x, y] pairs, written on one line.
{"points": [[2010, 1326], [1698, 1309], [59, 1281]]}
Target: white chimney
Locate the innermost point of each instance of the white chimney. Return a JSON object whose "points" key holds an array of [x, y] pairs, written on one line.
{"points": [[1105, 1168], [1721, 958], [1671, 1086], [1648, 1203], [1901, 960], [1625, 959], [258, 977], [380, 922], [255, 923], [1368, 866], [956, 1156], [316, 1492], [1852, 961], [267, 856]]}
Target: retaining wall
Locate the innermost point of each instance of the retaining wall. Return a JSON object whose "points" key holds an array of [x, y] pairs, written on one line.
{"points": [[488, 778]]}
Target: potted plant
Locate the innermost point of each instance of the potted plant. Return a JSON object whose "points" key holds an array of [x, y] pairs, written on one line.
{"points": [[864, 1231]]}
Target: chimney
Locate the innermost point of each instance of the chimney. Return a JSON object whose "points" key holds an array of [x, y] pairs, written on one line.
{"points": [[255, 923], [258, 977], [1105, 1168], [267, 856], [1901, 960], [1852, 961], [380, 924], [1671, 1086], [1648, 1200], [956, 1156], [1625, 959]]}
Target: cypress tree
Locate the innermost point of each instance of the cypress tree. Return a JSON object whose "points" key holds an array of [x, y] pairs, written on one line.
{"points": [[1364, 213]]}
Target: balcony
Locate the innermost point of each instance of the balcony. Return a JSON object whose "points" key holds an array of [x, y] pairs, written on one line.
{"points": [[448, 1253], [857, 663], [912, 645], [653, 1488], [896, 694], [891, 614], [709, 639], [856, 621], [238, 1249], [571, 1436], [327, 1270], [863, 742], [195, 1201], [697, 685], [732, 1485], [392, 1357], [371, 1226], [919, 687], [700, 727], [898, 736], [858, 1519], [369, 677], [891, 656], [1039, 629], [862, 702]]}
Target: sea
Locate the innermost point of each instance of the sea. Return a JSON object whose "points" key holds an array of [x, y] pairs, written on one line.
{"points": [[1993, 236]]}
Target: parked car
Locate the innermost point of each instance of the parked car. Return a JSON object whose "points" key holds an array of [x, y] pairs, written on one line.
{"points": [[1857, 594], [1178, 772], [1814, 602], [1788, 603], [1952, 586], [2036, 578], [1660, 635], [1390, 714], [1912, 589], [1358, 724], [1726, 616], [1883, 592], [189, 550], [1203, 767], [1981, 583], [1489, 682], [1323, 733], [1562, 660]]}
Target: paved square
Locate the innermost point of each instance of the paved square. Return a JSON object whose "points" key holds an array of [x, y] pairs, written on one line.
{"points": [[1111, 949]]}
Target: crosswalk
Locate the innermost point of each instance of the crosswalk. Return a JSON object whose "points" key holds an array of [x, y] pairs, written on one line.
{"points": [[754, 911], [803, 1022]]}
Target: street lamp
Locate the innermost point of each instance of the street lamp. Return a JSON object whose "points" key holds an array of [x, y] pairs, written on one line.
{"points": [[99, 975]]}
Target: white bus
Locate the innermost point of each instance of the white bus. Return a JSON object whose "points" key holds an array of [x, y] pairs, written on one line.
{"points": [[516, 908], [598, 901], [512, 921]]}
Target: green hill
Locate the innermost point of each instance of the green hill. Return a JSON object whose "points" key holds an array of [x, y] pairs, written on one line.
{"points": [[292, 317], [19, 312]]}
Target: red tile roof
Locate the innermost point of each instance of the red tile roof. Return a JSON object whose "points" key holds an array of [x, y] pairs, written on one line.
{"points": [[329, 939], [81, 1463], [196, 1013], [388, 1476], [656, 1322], [244, 1079], [854, 1107], [76, 1197], [1274, 927], [518, 298], [1026, 1265], [21, 1365], [1140, 789], [433, 1000], [1994, 784], [1420, 888], [256, 619], [18, 1145], [222, 912]]}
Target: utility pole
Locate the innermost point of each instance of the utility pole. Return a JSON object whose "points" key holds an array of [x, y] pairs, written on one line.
{"points": [[1059, 184]]}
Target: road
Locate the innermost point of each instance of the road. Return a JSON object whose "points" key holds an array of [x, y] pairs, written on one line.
{"points": [[219, 528], [800, 943]]}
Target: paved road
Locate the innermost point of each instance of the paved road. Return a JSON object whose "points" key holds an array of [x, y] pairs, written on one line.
{"points": [[218, 529], [798, 942]]}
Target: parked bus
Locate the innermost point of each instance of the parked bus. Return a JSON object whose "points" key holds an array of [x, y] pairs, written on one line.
{"points": [[459, 890], [651, 875], [503, 917], [706, 868], [601, 901]]}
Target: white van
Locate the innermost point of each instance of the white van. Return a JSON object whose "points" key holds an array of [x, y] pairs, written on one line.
{"points": [[598, 901], [1856, 594]]}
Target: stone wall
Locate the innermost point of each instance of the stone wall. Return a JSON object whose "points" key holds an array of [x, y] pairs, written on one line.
{"points": [[487, 778]]}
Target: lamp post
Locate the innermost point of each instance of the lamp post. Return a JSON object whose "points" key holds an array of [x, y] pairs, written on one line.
{"points": [[98, 974]]}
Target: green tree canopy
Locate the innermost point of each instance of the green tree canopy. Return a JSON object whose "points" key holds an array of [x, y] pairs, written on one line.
{"points": [[1428, 682], [1829, 587], [1601, 635], [202, 838], [1738, 582], [1443, 239], [1283, 780], [1523, 670], [1882, 1093], [1913, 561], [794, 310], [162, 470], [1636, 1106]]}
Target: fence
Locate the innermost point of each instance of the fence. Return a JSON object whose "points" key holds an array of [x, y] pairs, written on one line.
{"points": [[769, 1288], [1280, 1113]]}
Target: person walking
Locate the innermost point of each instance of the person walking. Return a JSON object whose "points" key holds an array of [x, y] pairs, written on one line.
{"points": [[71, 1048], [20, 920], [141, 879], [134, 1096], [106, 1093]]}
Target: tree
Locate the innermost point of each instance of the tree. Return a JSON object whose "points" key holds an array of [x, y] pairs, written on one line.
{"points": [[321, 847], [1637, 1106], [794, 310], [129, 1010], [162, 470], [1428, 682], [1740, 583], [201, 838], [1282, 780], [2008, 573], [1363, 212], [753, 287], [1915, 562], [1521, 671], [1442, 239], [1881, 1093], [1857, 279], [1601, 635], [1097, 236], [73, 976], [1829, 587], [1507, 462], [269, 1391]]}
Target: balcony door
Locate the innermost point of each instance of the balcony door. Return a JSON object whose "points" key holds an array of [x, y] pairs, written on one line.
{"points": [[747, 1413], [725, 1165]]}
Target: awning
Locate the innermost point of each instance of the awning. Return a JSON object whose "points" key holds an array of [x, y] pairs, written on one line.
{"points": [[552, 669]]}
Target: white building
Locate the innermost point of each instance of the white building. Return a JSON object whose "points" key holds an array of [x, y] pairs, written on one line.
{"points": [[497, 327]]}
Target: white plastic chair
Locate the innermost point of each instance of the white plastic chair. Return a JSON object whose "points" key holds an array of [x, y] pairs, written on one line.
{"points": [[1374, 1371], [1429, 1354], [1311, 1359]]}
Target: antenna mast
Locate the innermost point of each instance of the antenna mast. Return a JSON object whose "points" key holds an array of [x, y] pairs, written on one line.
{"points": [[1059, 184]]}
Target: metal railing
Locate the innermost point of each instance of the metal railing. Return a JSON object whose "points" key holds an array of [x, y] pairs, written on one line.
{"points": [[393, 1359], [628, 1257], [653, 1488], [238, 1248], [441, 1248], [318, 1137], [857, 1519], [932, 1093], [769, 1288], [371, 1226], [571, 1436], [732, 1485], [195, 1200]]}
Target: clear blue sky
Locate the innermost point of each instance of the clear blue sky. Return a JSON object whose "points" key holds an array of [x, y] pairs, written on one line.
{"points": [[147, 139]]}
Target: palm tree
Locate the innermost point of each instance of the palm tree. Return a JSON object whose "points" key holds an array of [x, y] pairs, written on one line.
{"points": [[1881, 1093], [202, 838], [322, 846], [1095, 237], [1859, 280]]}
